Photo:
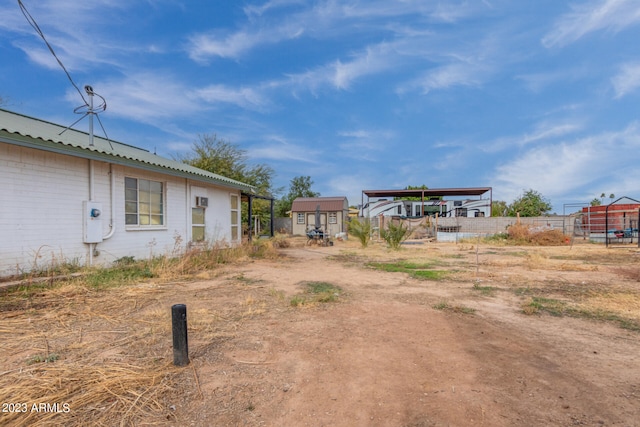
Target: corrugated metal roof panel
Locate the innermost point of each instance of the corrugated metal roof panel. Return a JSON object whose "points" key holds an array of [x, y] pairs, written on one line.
{"points": [[327, 204], [54, 134], [431, 192]]}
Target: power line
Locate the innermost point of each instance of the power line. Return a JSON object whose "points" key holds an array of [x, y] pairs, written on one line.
{"points": [[85, 109], [36, 27]]}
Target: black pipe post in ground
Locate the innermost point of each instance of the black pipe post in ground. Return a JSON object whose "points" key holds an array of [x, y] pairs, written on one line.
{"points": [[179, 325]]}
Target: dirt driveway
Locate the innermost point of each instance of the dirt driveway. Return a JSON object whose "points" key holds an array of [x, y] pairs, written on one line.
{"points": [[384, 356], [393, 349]]}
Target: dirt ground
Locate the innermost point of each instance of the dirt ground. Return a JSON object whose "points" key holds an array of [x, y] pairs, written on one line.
{"points": [[391, 350]]}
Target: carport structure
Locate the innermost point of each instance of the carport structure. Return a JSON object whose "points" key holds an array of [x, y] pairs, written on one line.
{"points": [[430, 193]]}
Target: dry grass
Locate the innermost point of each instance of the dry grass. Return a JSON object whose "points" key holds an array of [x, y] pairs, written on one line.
{"points": [[85, 354], [109, 394], [101, 342], [524, 234], [96, 349]]}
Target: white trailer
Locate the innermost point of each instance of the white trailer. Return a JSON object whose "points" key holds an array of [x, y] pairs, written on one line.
{"points": [[417, 209]]}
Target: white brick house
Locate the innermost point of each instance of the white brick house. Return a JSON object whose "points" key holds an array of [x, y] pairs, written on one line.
{"points": [[63, 199]]}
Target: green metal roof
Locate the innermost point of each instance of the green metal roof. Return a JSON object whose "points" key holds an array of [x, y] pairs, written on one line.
{"points": [[39, 134]]}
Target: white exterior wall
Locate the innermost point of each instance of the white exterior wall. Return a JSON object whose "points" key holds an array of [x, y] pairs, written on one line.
{"points": [[41, 211]]}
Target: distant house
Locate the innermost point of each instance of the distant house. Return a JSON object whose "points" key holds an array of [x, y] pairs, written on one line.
{"points": [[65, 199], [333, 214]]}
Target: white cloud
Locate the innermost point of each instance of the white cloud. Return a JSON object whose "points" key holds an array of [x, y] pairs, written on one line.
{"points": [[146, 96], [364, 145], [627, 80], [341, 75], [544, 132], [203, 46], [323, 20], [244, 97], [444, 77], [613, 15], [253, 10], [350, 185], [278, 148], [563, 169]]}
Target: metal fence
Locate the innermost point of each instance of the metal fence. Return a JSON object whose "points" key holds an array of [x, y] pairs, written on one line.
{"points": [[616, 228]]}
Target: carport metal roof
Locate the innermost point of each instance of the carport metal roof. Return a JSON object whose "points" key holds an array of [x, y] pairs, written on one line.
{"points": [[428, 193]]}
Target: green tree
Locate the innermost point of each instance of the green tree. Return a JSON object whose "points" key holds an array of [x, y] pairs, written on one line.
{"points": [[498, 208], [414, 187], [530, 203], [227, 159], [300, 186], [596, 202]]}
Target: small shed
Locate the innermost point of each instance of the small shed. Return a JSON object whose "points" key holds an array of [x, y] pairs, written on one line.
{"points": [[333, 214]]}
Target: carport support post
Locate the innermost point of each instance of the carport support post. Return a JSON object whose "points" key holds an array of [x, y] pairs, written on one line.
{"points": [[179, 326]]}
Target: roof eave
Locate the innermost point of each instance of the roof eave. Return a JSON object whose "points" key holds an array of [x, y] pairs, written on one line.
{"points": [[61, 148]]}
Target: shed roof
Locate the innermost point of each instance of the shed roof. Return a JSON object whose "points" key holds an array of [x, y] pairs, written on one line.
{"points": [[327, 204], [30, 132]]}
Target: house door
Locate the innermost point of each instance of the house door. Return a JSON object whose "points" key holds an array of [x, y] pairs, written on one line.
{"points": [[311, 221]]}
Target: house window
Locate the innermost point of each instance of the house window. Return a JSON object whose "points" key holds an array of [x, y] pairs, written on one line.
{"points": [[235, 218], [144, 202], [197, 225], [300, 218], [333, 217]]}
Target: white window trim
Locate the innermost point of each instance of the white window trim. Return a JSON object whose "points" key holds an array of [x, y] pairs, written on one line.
{"points": [[150, 227], [333, 217], [238, 209], [298, 216], [197, 225]]}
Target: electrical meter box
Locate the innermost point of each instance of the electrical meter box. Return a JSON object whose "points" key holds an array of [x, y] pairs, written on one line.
{"points": [[92, 222]]}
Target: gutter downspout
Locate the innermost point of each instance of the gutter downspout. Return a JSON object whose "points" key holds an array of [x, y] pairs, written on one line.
{"points": [[112, 222], [91, 193]]}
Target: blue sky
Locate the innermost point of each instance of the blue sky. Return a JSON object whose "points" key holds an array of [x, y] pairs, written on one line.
{"points": [[375, 94]]}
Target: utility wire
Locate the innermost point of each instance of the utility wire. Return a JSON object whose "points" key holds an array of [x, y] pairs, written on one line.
{"points": [[36, 27], [85, 109]]}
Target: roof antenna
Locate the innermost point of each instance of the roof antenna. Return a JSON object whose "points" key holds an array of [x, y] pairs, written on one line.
{"points": [[90, 112]]}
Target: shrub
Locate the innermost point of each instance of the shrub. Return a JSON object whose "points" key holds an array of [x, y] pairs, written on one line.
{"points": [[523, 234], [361, 230], [394, 234]]}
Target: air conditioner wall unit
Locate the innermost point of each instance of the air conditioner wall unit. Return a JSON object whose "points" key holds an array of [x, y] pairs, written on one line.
{"points": [[202, 202]]}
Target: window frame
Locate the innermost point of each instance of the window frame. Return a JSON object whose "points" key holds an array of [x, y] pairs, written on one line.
{"points": [[235, 228], [152, 210], [202, 225], [333, 217], [300, 215]]}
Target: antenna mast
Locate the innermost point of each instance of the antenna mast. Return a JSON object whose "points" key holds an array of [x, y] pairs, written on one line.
{"points": [[90, 112]]}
